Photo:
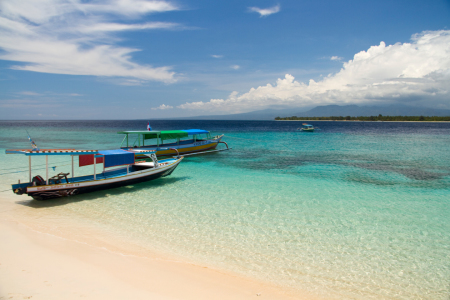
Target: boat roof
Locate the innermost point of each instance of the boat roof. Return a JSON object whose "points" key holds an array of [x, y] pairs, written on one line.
{"points": [[30, 152], [195, 131]]}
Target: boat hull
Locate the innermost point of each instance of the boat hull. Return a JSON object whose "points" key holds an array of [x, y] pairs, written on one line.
{"points": [[75, 188]]}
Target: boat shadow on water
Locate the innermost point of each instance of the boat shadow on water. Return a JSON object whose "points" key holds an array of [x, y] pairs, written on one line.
{"points": [[102, 193]]}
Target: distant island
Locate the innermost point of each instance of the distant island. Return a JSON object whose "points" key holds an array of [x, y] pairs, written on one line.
{"points": [[371, 118]]}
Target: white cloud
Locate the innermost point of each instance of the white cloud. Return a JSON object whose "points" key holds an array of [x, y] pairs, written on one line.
{"points": [[264, 12], [216, 56], [74, 37], [28, 93], [235, 67], [105, 27], [162, 107], [338, 58], [416, 72]]}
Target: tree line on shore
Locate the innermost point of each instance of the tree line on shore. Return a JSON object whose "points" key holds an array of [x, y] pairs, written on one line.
{"points": [[371, 118]]}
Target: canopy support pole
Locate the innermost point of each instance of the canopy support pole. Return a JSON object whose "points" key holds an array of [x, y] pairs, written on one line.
{"points": [[72, 166], [94, 167], [46, 169], [29, 166], [125, 137]]}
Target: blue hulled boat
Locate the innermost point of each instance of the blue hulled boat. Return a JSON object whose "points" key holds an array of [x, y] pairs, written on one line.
{"points": [[125, 171]]}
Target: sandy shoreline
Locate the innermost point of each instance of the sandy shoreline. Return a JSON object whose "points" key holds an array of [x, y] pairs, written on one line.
{"points": [[39, 265]]}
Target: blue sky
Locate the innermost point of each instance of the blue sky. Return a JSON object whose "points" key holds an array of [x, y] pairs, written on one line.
{"points": [[129, 59]]}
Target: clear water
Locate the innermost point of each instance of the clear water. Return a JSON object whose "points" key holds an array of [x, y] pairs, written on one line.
{"points": [[354, 211]]}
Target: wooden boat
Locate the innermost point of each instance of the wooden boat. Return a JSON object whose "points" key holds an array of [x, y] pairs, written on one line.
{"points": [[306, 128], [127, 172], [166, 143]]}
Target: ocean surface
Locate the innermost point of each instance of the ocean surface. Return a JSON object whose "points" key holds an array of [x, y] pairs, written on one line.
{"points": [[357, 210]]}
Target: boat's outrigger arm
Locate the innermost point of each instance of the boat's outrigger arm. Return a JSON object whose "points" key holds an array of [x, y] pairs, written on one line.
{"points": [[211, 151]]}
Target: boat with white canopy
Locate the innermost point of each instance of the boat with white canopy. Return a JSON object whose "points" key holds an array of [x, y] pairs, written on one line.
{"points": [[119, 169]]}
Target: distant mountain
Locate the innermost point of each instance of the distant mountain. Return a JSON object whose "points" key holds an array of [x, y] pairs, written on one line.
{"points": [[266, 114], [355, 111], [328, 111]]}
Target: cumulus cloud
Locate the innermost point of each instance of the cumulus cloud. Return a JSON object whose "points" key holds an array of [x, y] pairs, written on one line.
{"points": [[413, 73], [76, 37], [216, 56], [264, 12], [162, 107], [235, 67]]}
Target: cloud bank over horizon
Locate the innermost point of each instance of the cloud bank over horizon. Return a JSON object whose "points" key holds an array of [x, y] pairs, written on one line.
{"points": [[76, 38], [415, 73]]}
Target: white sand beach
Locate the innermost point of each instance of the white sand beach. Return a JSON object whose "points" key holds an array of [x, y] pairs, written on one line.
{"points": [[39, 265]]}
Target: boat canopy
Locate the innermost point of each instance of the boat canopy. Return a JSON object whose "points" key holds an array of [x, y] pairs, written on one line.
{"points": [[172, 134], [195, 131], [117, 157]]}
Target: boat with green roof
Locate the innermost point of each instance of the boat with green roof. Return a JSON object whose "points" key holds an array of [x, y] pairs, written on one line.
{"points": [[168, 142]]}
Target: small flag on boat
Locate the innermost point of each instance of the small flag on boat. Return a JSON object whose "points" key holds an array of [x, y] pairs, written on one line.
{"points": [[149, 128], [33, 144]]}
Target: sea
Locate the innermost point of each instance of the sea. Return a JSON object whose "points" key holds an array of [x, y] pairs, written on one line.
{"points": [[355, 210]]}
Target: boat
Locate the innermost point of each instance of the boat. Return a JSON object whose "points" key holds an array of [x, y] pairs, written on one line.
{"points": [[306, 128], [127, 171], [166, 143]]}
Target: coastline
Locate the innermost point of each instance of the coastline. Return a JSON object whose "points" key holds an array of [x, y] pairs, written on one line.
{"points": [[362, 121], [36, 264]]}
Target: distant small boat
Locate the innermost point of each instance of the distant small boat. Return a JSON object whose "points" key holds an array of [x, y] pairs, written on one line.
{"points": [[306, 127], [128, 172]]}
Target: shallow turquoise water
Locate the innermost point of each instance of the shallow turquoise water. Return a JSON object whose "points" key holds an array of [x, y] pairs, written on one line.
{"points": [[351, 211]]}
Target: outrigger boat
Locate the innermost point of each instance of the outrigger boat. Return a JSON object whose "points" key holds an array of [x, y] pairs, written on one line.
{"points": [[128, 172], [166, 143], [306, 128]]}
